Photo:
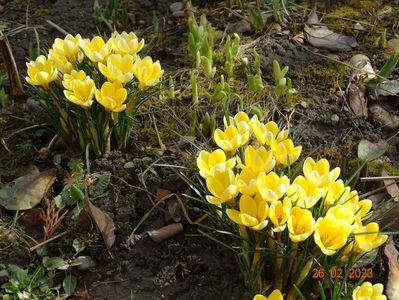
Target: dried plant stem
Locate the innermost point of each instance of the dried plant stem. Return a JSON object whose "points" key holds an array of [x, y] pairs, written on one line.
{"points": [[16, 90]]}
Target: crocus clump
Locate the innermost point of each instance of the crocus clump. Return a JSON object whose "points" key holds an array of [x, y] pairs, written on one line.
{"points": [[289, 224], [93, 88]]}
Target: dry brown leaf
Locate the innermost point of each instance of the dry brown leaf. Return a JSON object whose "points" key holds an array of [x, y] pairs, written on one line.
{"points": [[27, 191], [392, 286], [322, 37], [357, 100], [391, 187], [387, 120], [104, 224], [165, 232], [162, 195]]}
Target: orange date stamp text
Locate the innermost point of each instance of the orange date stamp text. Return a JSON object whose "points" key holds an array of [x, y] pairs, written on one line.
{"points": [[340, 272]]}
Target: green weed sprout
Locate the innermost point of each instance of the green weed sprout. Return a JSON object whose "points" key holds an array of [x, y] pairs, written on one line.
{"points": [[231, 49], [221, 93], [255, 81], [283, 85]]}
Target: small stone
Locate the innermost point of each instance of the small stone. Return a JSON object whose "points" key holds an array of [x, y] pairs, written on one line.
{"points": [[359, 27], [86, 262], [1, 8], [179, 14], [334, 119], [176, 6], [392, 46]]}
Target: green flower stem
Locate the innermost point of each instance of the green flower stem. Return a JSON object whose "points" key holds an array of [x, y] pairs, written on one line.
{"points": [[278, 279], [293, 254], [107, 134], [93, 134], [68, 133], [244, 235], [292, 294]]}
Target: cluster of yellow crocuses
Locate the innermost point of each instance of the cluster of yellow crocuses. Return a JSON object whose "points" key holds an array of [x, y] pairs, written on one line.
{"points": [[116, 59], [109, 74], [248, 177], [259, 195], [365, 291]]}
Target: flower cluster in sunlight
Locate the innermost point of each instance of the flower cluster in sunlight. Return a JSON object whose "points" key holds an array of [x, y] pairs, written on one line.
{"points": [[90, 82], [294, 208]]}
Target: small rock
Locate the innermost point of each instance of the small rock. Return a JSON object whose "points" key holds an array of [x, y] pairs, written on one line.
{"points": [[1, 8], [386, 119], [176, 7], [86, 262], [392, 46], [359, 27], [179, 14], [33, 105], [334, 119]]}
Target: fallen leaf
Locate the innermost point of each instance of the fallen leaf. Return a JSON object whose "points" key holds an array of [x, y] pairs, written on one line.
{"points": [[391, 187], [162, 194], [392, 286], [387, 88], [174, 210], [104, 224], [357, 100], [165, 232], [386, 119], [370, 151], [322, 37], [27, 191]]}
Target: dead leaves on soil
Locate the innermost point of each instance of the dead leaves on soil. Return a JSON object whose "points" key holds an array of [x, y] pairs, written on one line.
{"points": [[392, 286], [27, 191], [104, 224]]}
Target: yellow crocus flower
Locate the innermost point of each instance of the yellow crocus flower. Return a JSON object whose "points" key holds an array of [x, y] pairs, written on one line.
{"points": [[112, 96], [126, 43], [147, 72], [331, 234], [303, 193], [279, 212], [259, 160], [208, 162], [271, 187], [222, 185], [70, 78], [369, 291], [246, 182], [252, 213], [42, 71], [96, 49], [275, 295], [61, 62], [230, 139], [68, 47], [285, 152], [319, 172], [118, 68], [368, 237], [334, 193], [267, 133], [241, 121], [79, 89], [300, 224]]}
